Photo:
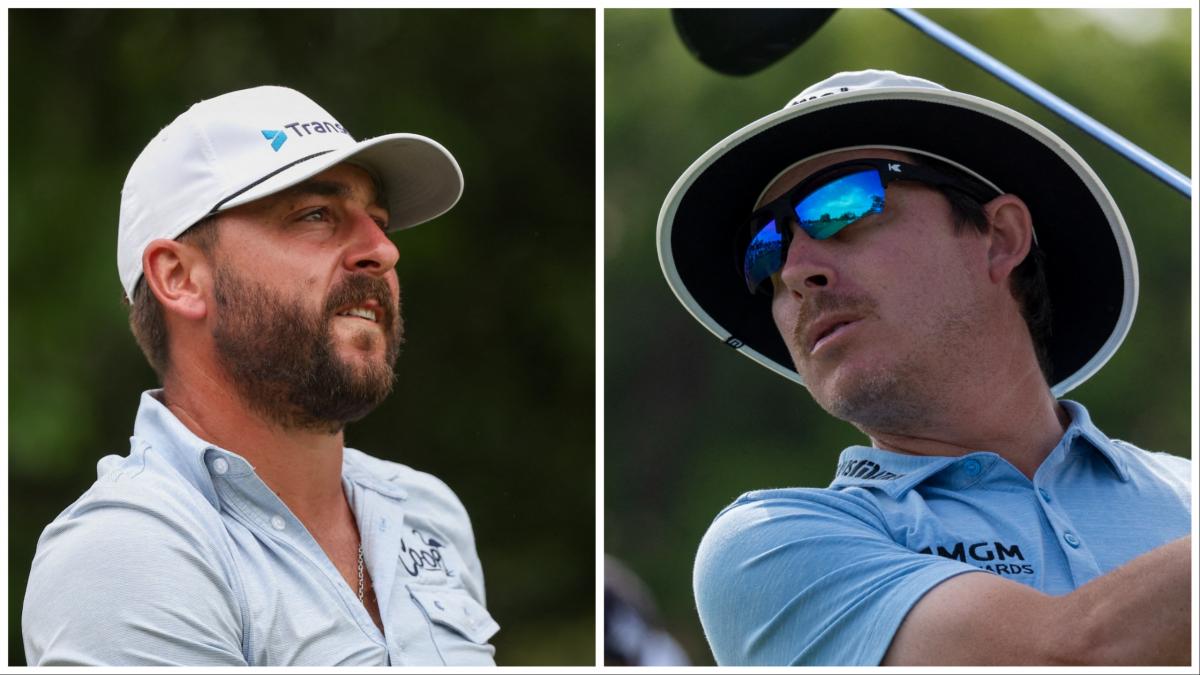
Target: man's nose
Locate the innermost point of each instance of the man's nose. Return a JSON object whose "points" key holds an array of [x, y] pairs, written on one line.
{"points": [[808, 264], [371, 250]]}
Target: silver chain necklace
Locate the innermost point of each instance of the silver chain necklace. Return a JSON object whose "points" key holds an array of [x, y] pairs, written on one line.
{"points": [[360, 574]]}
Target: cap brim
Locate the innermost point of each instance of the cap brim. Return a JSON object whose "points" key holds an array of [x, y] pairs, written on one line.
{"points": [[420, 177], [1090, 264]]}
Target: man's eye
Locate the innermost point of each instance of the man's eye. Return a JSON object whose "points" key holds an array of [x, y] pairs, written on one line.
{"points": [[316, 215], [382, 223]]}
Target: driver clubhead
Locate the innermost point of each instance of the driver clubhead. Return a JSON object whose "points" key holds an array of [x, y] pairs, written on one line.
{"points": [[745, 41]]}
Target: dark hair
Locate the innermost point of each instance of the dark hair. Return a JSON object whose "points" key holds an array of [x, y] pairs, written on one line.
{"points": [[1028, 280], [146, 318]]}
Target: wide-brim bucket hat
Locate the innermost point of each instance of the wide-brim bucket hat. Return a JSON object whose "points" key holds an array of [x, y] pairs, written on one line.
{"points": [[1091, 268]]}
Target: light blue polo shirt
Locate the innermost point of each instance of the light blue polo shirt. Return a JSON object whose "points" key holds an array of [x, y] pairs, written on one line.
{"points": [[179, 554], [810, 576]]}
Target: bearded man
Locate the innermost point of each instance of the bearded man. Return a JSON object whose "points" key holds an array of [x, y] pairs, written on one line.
{"points": [[239, 530]]}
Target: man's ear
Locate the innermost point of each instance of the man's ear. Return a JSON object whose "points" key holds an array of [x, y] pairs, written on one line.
{"points": [[179, 275], [1010, 235]]}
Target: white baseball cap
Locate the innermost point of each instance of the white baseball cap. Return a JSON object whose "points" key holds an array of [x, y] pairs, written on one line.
{"points": [[251, 143]]}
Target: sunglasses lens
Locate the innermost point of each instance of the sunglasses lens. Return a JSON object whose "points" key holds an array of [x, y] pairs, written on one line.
{"points": [[825, 211], [764, 255], [822, 213]]}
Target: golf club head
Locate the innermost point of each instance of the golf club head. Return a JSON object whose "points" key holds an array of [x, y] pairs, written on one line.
{"points": [[744, 41]]}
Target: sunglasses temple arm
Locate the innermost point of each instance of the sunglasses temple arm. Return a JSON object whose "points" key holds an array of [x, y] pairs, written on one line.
{"points": [[1070, 113]]}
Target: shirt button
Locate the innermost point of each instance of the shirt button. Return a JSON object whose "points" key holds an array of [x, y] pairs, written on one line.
{"points": [[972, 467], [1045, 495], [1071, 540], [277, 522], [220, 466]]}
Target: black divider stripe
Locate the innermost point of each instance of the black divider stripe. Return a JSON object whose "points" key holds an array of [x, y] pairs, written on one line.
{"points": [[285, 167]]}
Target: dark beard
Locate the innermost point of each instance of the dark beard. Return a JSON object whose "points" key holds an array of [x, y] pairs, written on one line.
{"points": [[281, 358]]}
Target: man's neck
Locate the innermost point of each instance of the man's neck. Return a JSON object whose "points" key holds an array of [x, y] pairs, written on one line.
{"points": [[1022, 424], [302, 467]]}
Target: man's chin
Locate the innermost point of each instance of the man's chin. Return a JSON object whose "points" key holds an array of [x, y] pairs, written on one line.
{"points": [[340, 390], [877, 399], [356, 335], [333, 415], [362, 362], [369, 376]]}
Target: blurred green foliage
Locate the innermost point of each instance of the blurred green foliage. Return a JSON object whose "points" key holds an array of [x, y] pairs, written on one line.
{"points": [[689, 425], [495, 392]]}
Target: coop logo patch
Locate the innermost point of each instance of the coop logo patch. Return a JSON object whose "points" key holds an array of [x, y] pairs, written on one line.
{"points": [[993, 556], [864, 469], [277, 138], [420, 553]]}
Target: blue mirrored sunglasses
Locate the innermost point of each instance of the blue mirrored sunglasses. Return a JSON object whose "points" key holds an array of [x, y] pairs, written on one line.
{"points": [[827, 202]]}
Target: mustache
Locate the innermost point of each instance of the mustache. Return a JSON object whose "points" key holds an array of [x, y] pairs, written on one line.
{"points": [[359, 288], [820, 304]]}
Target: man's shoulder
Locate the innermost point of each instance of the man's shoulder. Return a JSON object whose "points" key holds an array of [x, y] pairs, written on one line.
{"points": [[807, 576], [1161, 473], [128, 515], [144, 483], [1165, 461], [1138, 463], [138, 529], [137, 507], [762, 520], [760, 506]]}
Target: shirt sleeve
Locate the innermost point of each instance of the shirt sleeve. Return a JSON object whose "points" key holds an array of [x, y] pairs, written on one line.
{"points": [[115, 583], [807, 577]]}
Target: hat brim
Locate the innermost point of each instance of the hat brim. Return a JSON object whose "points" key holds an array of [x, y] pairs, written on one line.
{"points": [[420, 177], [1090, 265]]}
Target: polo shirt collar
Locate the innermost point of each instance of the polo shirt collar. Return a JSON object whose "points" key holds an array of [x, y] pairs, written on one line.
{"points": [[383, 477], [158, 428], [890, 472], [895, 473], [1083, 436], [193, 456]]}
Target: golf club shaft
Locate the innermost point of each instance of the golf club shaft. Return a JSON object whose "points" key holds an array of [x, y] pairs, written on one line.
{"points": [[1112, 139]]}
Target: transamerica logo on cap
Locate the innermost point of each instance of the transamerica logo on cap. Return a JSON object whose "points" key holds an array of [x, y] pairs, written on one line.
{"points": [[278, 137], [306, 128]]}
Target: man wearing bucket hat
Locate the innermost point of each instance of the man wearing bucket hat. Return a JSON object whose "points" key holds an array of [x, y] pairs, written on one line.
{"points": [[937, 270], [239, 530]]}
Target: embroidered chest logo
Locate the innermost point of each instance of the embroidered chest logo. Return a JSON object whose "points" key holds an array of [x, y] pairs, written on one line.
{"points": [[420, 553], [993, 556]]}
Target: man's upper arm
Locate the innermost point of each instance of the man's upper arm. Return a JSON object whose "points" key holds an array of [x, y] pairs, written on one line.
{"points": [[118, 584], [980, 619], [807, 577], [1137, 614]]}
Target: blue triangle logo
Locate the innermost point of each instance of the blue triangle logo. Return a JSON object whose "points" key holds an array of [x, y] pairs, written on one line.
{"points": [[276, 137]]}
